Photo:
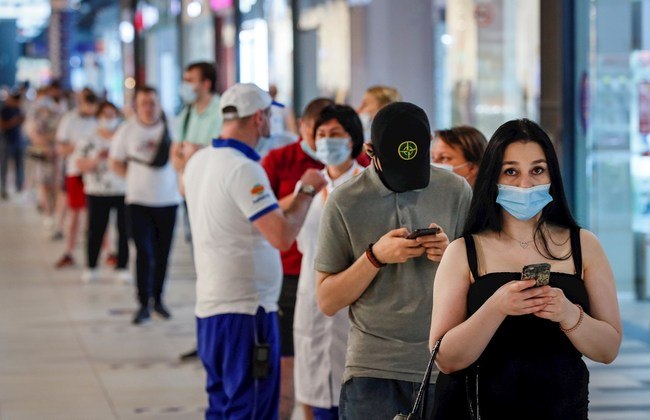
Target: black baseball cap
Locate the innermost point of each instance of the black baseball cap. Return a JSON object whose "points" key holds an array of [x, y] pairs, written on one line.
{"points": [[401, 137]]}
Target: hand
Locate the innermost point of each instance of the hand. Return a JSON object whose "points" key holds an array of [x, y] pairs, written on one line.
{"points": [[393, 247], [520, 297], [102, 155], [434, 245], [176, 156], [314, 178], [189, 149], [559, 309]]}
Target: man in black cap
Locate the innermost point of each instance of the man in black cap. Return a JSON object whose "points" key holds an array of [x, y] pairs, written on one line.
{"points": [[371, 259]]}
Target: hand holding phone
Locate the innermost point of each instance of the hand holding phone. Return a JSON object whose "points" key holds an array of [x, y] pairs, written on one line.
{"points": [[423, 232], [541, 273]]}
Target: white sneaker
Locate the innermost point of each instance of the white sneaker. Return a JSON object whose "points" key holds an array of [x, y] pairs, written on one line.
{"points": [[89, 275], [122, 275]]}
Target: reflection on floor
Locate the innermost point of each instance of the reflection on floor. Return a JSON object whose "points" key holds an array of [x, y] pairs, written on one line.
{"points": [[69, 351]]}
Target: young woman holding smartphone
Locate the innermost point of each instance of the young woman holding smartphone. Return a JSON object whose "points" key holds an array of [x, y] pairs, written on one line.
{"points": [[512, 350]]}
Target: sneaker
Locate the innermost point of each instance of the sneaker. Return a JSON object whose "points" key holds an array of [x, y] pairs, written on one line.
{"points": [[65, 261], [160, 309], [189, 356], [111, 260], [89, 275], [123, 276], [57, 236], [4, 195], [141, 316]]}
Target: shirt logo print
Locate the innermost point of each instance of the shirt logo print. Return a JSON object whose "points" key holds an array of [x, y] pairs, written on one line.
{"points": [[407, 150], [257, 189]]}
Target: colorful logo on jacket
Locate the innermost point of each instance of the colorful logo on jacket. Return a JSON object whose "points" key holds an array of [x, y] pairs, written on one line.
{"points": [[407, 150], [257, 189]]}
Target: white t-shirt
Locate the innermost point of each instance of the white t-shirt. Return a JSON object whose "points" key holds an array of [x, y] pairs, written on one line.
{"points": [[320, 342], [100, 181], [145, 185], [72, 128], [237, 268]]}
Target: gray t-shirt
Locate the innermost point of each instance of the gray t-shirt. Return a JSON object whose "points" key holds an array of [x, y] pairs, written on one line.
{"points": [[389, 323]]}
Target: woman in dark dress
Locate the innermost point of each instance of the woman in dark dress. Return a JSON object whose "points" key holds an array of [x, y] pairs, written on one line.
{"points": [[512, 349]]}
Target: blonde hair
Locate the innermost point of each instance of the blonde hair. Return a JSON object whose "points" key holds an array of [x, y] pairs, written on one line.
{"points": [[384, 94]]}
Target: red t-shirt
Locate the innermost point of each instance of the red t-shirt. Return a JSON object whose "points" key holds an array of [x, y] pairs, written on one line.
{"points": [[284, 167]]}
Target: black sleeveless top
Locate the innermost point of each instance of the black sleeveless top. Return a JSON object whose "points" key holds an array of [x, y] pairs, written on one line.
{"points": [[529, 369]]}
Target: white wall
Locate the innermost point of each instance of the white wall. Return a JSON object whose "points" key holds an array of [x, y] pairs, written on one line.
{"points": [[392, 44]]}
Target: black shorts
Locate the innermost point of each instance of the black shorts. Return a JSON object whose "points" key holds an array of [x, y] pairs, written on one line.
{"points": [[286, 309]]}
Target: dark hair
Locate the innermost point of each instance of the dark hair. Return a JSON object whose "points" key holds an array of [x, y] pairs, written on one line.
{"points": [[467, 139], [485, 213], [314, 108], [208, 72], [349, 120], [106, 104], [88, 96]]}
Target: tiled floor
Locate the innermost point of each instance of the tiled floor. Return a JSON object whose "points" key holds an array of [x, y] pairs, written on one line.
{"points": [[69, 351]]}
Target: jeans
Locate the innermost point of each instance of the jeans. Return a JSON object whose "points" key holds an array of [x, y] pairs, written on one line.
{"points": [[152, 229], [15, 151], [99, 210], [380, 399]]}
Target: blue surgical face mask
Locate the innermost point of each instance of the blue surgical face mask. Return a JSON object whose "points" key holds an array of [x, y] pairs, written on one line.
{"points": [[524, 203], [333, 151], [187, 93], [308, 150], [109, 124]]}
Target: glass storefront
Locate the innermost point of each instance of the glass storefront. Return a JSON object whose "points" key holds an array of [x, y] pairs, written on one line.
{"points": [[491, 55], [617, 122]]}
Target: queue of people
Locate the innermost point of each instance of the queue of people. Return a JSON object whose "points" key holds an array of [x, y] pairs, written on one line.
{"points": [[327, 270]]}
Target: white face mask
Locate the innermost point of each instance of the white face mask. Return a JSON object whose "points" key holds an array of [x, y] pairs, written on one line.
{"points": [[333, 151], [366, 122], [447, 166], [108, 124], [444, 166], [187, 93]]}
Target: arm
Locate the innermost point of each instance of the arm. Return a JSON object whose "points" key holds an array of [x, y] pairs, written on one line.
{"points": [[466, 338], [8, 124], [281, 229], [85, 164], [118, 167], [336, 291], [64, 149], [599, 335]]}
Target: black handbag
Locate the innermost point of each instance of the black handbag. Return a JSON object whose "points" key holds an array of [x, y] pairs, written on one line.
{"points": [[417, 413]]}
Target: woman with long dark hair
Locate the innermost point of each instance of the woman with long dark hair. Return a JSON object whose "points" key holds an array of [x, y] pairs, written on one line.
{"points": [[513, 348]]}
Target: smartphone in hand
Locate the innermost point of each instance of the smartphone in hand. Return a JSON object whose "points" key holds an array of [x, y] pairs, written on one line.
{"points": [[541, 273], [423, 232]]}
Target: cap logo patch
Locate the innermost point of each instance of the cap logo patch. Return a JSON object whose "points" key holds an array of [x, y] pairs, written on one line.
{"points": [[407, 150]]}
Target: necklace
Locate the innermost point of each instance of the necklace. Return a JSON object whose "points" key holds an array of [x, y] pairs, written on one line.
{"points": [[522, 244]]}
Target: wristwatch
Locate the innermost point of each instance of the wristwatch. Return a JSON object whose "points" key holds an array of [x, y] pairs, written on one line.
{"points": [[307, 189]]}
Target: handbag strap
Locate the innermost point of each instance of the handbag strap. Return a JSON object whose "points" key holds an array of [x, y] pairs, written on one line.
{"points": [[418, 407]]}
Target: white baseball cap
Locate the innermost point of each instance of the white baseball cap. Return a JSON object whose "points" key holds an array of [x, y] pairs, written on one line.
{"points": [[247, 99]]}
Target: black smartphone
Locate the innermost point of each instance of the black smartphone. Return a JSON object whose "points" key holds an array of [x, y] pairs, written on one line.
{"points": [[261, 363], [541, 273], [423, 232]]}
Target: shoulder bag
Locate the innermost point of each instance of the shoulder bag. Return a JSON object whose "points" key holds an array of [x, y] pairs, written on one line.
{"points": [[417, 413]]}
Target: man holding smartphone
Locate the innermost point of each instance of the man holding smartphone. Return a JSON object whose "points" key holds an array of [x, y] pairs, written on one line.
{"points": [[366, 260]]}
